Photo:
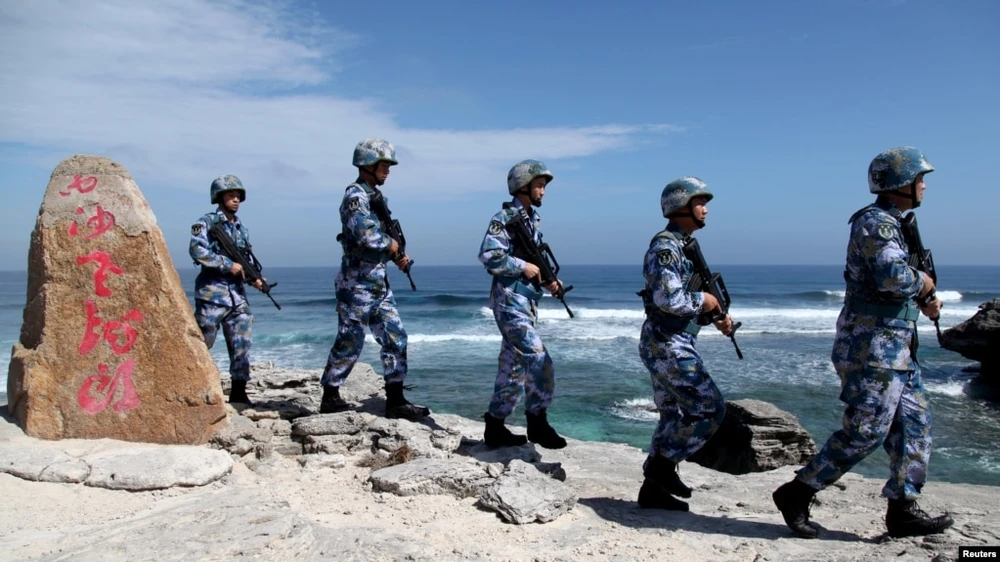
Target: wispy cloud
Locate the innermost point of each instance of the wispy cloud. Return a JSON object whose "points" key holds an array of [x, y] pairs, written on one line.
{"points": [[186, 89]]}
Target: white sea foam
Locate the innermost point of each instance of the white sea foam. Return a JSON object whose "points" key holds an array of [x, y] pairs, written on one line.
{"points": [[641, 409], [950, 388]]}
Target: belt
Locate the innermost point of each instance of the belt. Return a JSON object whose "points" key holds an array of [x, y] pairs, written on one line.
{"points": [[670, 323], [520, 288], [902, 311], [371, 256]]}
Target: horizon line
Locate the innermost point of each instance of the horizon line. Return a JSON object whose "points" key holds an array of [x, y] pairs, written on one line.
{"points": [[721, 265]]}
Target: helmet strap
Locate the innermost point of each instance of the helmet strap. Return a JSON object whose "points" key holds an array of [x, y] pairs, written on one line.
{"points": [[690, 213]]}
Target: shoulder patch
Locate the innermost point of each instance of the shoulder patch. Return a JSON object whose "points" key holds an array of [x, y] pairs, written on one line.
{"points": [[353, 204], [196, 229], [496, 227], [666, 257], [886, 231]]}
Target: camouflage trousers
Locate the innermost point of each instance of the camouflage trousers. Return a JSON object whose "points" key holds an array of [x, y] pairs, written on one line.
{"points": [[371, 304], [884, 407], [524, 363], [236, 323], [690, 404]]}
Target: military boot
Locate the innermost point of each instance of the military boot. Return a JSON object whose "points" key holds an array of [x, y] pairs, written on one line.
{"points": [[238, 393], [792, 500], [541, 433], [904, 518], [497, 434], [654, 496], [396, 406], [332, 402], [664, 472]]}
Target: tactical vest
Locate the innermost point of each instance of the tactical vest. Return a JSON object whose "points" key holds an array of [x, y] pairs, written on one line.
{"points": [[866, 300], [662, 320], [356, 251]]}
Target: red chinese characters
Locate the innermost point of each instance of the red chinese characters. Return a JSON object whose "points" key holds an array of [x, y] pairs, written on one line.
{"points": [[104, 265], [120, 334], [94, 399], [101, 390], [101, 222], [80, 184]]}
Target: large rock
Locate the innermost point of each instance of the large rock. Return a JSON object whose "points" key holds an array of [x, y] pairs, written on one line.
{"points": [[109, 346], [525, 493], [978, 338], [755, 436], [456, 478]]}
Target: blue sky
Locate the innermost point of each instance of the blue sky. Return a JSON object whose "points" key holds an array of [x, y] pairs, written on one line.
{"points": [[778, 106]]}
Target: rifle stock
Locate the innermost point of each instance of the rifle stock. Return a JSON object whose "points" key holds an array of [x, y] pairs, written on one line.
{"points": [[704, 280], [538, 254], [251, 269], [391, 227]]}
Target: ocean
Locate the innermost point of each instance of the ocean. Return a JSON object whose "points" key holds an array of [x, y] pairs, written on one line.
{"points": [[602, 389]]}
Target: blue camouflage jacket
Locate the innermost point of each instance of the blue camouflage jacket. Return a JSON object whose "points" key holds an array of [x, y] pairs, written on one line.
{"points": [[361, 233], [214, 283], [497, 250], [879, 282], [667, 272]]}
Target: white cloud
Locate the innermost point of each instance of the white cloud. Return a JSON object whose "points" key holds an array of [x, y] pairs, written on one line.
{"points": [[186, 90]]}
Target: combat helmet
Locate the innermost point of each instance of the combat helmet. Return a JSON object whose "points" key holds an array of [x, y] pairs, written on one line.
{"points": [[524, 172], [223, 184], [678, 194], [896, 168], [372, 151]]}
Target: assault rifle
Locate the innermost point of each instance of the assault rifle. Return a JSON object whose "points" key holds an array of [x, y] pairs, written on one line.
{"points": [[922, 260], [251, 266], [704, 280], [391, 227], [538, 254]]}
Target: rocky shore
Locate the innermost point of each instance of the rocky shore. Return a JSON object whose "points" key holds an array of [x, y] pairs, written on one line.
{"points": [[280, 484]]}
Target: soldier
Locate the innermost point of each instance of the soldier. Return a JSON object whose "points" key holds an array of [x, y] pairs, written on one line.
{"points": [[690, 405], [874, 355], [524, 361], [363, 293], [219, 291]]}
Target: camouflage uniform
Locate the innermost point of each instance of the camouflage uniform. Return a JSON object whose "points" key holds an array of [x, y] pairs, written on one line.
{"points": [[220, 297], [524, 363], [363, 293], [874, 354], [690, 404]]}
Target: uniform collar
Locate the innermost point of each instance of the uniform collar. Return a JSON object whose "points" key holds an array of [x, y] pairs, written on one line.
{"points": [[517, 203], [222, 216], [888, 206]]}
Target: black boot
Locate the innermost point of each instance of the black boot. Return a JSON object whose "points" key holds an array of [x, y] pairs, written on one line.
{"points": [[654, 496], [904, 518], [238, 393], [541, 433], [664, 472], [396, 406], [332, 402], [497, 434], [793, 501]]}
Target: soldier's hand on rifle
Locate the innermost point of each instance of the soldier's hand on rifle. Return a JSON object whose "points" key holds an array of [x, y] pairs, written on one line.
{"points": [[393, 248], [531, 271], [237, 269], [711, 303], [554, 287], [259, 284], [929, 285], [725, 325], [402, 261], [933, 309]]}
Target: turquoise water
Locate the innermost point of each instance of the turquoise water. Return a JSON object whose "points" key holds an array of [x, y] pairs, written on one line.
{"points": [[602, 389]]}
